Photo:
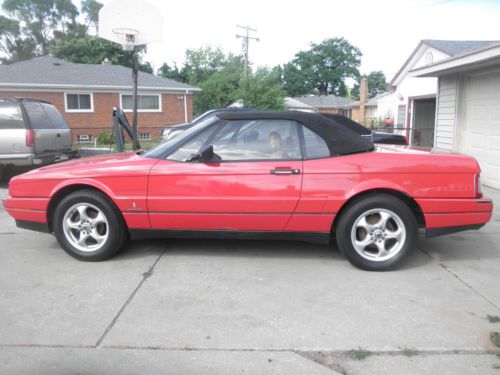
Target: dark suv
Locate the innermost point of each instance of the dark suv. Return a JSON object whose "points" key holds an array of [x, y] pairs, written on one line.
{"points": [[32, 132]]}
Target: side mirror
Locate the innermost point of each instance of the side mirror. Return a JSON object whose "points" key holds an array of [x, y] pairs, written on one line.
{"points": [[205, 155]]}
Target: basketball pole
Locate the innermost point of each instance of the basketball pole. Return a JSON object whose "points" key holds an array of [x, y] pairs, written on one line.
{"points": [[135, 143]]}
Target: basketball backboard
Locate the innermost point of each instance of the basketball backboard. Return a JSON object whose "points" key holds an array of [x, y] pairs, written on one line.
{"points": [[130, 23]]}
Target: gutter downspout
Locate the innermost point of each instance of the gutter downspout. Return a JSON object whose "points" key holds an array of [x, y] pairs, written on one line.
{"points": [[185, 107]]}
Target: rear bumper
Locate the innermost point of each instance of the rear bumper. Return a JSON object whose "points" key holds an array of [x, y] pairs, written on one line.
{"points": [[434, 232], [445, 216], [16, 160]]}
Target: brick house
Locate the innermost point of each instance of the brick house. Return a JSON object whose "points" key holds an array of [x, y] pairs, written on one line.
{"points": [[86, 93]]}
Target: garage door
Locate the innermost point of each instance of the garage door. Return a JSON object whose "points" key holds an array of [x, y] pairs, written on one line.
{"points": [[481, 137]]}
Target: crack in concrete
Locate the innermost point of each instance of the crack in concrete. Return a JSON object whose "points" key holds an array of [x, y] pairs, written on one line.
{"points": [[334, 360], [456, 276], [326, 351], [146, 275]]}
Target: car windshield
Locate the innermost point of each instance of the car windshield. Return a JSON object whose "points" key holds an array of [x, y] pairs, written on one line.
{"points": [[201, 117], [172, 143]]}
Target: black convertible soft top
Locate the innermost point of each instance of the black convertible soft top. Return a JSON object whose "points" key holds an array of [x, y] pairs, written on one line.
{"points": [[340, 139], [350, 124]]}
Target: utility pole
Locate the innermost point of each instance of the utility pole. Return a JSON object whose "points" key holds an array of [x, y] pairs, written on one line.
{"points": [[246, 42]]}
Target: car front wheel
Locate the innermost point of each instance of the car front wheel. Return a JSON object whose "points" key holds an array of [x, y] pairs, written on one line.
{"points": [[377, 232], [88, 226]]}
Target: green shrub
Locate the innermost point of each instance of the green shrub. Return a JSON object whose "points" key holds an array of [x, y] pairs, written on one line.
{"points": [[105, 138]]}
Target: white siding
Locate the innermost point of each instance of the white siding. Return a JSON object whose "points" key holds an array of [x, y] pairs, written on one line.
{"points": [[481, 123], [446, 112]]}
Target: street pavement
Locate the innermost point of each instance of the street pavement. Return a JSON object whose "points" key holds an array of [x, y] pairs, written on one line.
{"points": [[251, 307]]}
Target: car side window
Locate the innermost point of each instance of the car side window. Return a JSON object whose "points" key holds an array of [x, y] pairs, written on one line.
{"points": [[55, 117], [11, 116], [257, 140], [315, 147], [38, 117], [192, 146]]}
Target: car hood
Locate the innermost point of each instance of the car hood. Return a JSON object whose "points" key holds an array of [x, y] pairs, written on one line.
{"points": [[124, 164]]}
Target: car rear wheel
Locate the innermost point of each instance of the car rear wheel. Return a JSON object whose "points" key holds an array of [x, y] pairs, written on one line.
{"points": [[377, 232], [88, 227]]}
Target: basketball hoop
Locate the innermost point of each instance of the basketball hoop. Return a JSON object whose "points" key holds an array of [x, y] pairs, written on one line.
{"points": [[126, 37], [131, 23]]}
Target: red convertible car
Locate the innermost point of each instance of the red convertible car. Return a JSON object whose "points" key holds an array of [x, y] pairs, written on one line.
{"points": [[269, 175]]}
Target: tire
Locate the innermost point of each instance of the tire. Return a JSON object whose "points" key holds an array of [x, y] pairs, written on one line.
{"points": [[88, 226], [377, 232]]}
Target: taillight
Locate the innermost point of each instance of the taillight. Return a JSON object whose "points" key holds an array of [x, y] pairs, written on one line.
{"points": [[406, 140], [30, 138], [477, 186]]}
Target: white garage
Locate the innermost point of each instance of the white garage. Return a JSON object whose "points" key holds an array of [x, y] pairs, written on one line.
{"points": [[481, 136], [468, 107]]}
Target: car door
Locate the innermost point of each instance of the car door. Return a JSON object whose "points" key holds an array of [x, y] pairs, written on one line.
{"points": [[322, 184], [254, 187], [44, 132], [63, 141]]}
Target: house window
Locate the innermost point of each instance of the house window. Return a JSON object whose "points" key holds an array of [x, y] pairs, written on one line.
{"points": [[145, 136], [79, 102], [401, 116], [83, 138], [429, 58], [145, 103]]}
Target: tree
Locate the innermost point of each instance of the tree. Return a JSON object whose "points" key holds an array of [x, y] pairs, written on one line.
{"points": [[323, 68], [220, 76], [377, 84], [37, 27], [201, 63], [93, 50], [43, 20], [293, 81], [221, 87], [263, 90], [209, 68], [12, 43], [90, 9], [166, 71]]}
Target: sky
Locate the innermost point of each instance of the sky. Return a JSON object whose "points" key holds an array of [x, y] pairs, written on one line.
{"points": [[386, 31]]}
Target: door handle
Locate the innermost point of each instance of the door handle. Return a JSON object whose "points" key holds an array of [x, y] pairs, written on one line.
{"points": [[58, 135], [285, 171]]}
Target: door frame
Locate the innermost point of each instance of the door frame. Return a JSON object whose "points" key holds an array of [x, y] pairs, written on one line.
{"points": [[411, 114]]}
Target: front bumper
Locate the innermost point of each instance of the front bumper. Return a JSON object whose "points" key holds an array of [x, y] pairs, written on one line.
{"points": [[32, 225], [27, 209]]}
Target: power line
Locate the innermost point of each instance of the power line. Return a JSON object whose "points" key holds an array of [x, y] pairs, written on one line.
{"points": [[246, 41]]}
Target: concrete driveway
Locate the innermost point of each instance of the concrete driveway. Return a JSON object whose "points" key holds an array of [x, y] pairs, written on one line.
{"points": [[252, 307]]}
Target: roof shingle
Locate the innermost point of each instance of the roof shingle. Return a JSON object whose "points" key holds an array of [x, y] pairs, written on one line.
{"points": [[457, 47], [324, 101], [48, 70]]}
